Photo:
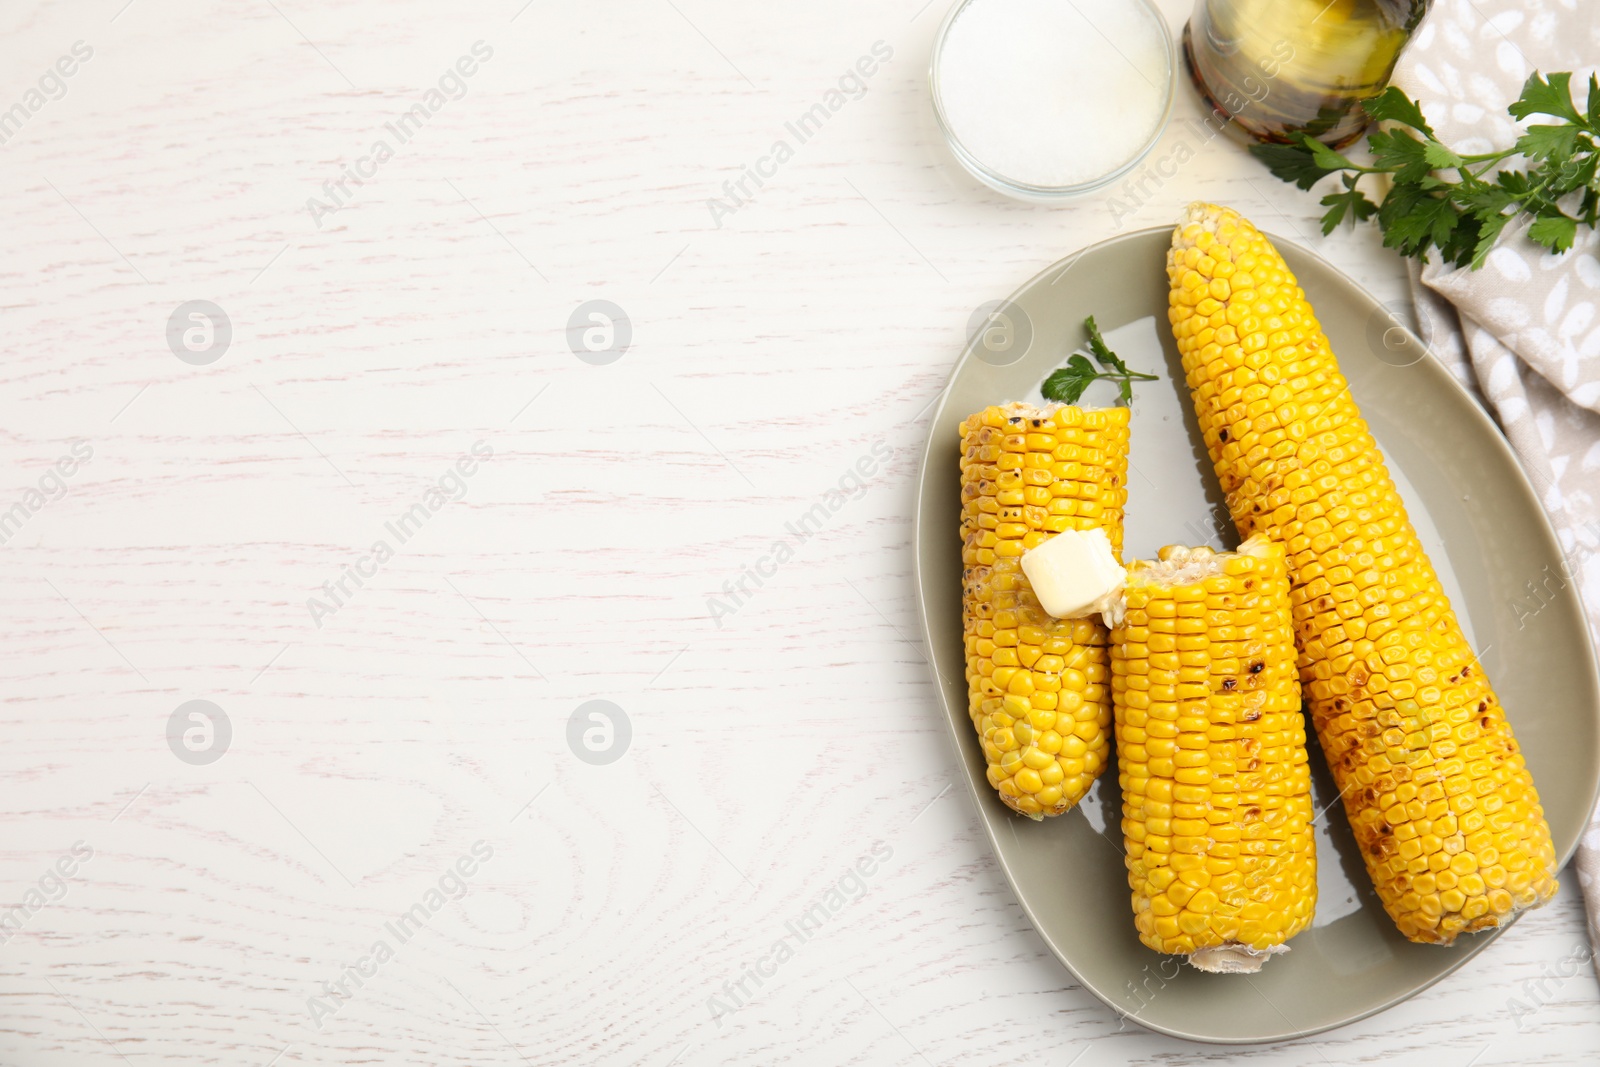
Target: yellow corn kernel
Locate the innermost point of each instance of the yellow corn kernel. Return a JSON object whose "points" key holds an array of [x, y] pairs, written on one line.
{"points": [[1396, 694], [1037, 686]]}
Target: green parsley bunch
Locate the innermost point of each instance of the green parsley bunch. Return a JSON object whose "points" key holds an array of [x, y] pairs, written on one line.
{"points": [[1458, 204]]}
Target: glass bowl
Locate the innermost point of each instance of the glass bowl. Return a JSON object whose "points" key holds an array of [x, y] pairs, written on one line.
{"points": [[1023, 190]]}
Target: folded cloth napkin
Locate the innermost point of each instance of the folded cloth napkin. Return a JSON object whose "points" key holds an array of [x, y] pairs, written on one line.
{"points": [[1522, 333]]}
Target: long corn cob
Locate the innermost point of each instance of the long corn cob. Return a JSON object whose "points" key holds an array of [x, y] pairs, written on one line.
{"points": [[1442, 804], [1211, 753], [1037, 685]]}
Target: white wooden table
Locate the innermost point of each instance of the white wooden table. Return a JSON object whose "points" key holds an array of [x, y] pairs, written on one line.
{"points": [[375, 738]]}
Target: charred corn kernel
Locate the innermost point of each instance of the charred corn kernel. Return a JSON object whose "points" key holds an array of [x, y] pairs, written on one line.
{"points": [[1036, 685], [1241, 738], [1398, 699]]}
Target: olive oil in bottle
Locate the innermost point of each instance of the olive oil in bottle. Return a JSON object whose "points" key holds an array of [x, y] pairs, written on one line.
{"points": [[1281, 66]]}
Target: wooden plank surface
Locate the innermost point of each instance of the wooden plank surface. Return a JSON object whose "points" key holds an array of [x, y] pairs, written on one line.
{"points": [[213, 910]]}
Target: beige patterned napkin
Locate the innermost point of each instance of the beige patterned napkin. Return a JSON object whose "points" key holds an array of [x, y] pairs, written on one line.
{"points": [[1523, 333]]}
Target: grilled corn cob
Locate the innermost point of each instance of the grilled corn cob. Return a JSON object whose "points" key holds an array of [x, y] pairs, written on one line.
{"points": [[1211, 754], [1037, 686], [1441, 801]]}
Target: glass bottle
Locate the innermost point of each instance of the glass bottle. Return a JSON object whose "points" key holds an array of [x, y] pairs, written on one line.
{"points": [[1279, 66]]}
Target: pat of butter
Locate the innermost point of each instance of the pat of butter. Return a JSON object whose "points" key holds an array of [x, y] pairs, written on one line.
{"points": [[1075, 574]]}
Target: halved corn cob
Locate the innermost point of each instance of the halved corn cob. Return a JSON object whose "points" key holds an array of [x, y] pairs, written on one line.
{"points": [[1442, 804], [1037, 686], [1211, 754]]}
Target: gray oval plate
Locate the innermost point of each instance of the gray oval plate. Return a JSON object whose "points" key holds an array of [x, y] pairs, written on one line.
{"points": [[1482, 525]]}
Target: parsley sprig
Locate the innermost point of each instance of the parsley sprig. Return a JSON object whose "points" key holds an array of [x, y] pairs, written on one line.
{"points": [[1425, 208], [1066, 385]]}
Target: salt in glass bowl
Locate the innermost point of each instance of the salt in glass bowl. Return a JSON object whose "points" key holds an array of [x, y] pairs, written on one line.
{"points": [[1093, 94]]}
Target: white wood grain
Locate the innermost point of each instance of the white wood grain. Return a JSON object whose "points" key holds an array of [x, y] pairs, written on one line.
{"points": [[768, 753]]}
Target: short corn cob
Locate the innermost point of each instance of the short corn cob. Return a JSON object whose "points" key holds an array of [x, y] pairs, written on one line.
{"points": [[1211, 752], [1037, 686], [1442, 804]]}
